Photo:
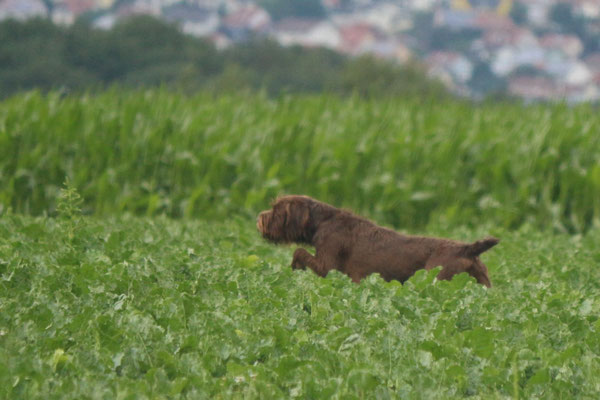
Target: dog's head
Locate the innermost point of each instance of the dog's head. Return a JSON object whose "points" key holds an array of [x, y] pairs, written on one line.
{"points": [[293, 219], [287, 221]]}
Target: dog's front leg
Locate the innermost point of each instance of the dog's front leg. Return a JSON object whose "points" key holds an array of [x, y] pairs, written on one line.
{"points": [[303, 259]]}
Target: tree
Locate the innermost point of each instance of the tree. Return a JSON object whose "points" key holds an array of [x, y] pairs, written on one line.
{"points": [[518, 13], [562, 14], [422, 30], [147, 52], [373, 77], [279, 9], [485, 82], [443, 38]]}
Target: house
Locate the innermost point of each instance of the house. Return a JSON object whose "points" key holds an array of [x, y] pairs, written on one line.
{"points": [[22, 9], [212, 5], [61, 14], [362, 38], [220, 40], [193, 19], [534, 88], [387, 17], [544, 88], [487, 20], [507, 59], [578, 74], [66, 11], [307, 32], [331, 4], [104, 3], [589, 9], [424, 5], [513, 36], [582, 93], [538, 11], [389, 48], [455, 19], [105, 21], [355, 37], [593, 62], [444, 64], [245, 19], [512, 48], [138, 7], [570, 45]]}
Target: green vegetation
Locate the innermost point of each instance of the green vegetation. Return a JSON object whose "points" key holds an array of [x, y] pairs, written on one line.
{"points": [[279, 9], [143, 52], [102, 295], [151, 308], [406, 162]]}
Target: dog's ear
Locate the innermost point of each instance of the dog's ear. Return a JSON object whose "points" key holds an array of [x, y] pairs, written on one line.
{"points": [[300, 214], [296, 216], [288, 210], [305, 216], [478, 247]]}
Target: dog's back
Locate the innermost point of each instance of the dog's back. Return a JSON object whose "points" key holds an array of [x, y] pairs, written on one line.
{"points": [[360, 248]]}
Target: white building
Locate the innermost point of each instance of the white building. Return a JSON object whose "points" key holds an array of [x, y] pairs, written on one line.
{"points": [[308, 33], [22, 9]]}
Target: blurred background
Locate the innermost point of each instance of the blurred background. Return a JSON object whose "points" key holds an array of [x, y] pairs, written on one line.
{"points": [[531, 50], [411, 112]]}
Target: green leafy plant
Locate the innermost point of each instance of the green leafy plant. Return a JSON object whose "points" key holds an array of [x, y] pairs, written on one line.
{"points": [[68, 207], [193, 309], [69, 202]]}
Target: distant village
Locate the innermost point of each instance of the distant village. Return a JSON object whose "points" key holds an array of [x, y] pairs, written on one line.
{"points": [[534, 49]]}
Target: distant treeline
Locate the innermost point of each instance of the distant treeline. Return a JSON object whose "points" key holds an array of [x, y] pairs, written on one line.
{"points": [[144, 51]]}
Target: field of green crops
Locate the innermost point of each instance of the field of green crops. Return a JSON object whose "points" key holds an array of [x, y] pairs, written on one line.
{"points": [[156, 308], [405, 162], [155, 284]]}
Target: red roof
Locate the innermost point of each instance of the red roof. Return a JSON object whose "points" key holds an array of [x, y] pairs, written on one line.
{"points": [[246, 17], [78, 7], [490, 20], [354, 35]]}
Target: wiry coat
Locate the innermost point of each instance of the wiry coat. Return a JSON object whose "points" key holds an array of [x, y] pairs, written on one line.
{"points": [[358, 247]]}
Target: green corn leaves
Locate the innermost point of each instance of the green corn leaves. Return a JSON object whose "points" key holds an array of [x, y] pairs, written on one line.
{"points": [[406, 162]]}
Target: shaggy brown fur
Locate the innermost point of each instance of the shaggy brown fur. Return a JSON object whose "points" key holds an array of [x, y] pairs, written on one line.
{"points": [[358, 247]]}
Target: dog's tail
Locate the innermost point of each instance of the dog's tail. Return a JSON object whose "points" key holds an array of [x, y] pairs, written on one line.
{"points": [[478, 247]]}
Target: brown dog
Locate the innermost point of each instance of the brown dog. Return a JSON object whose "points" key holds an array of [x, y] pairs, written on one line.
{"points": [[358, 247]]}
